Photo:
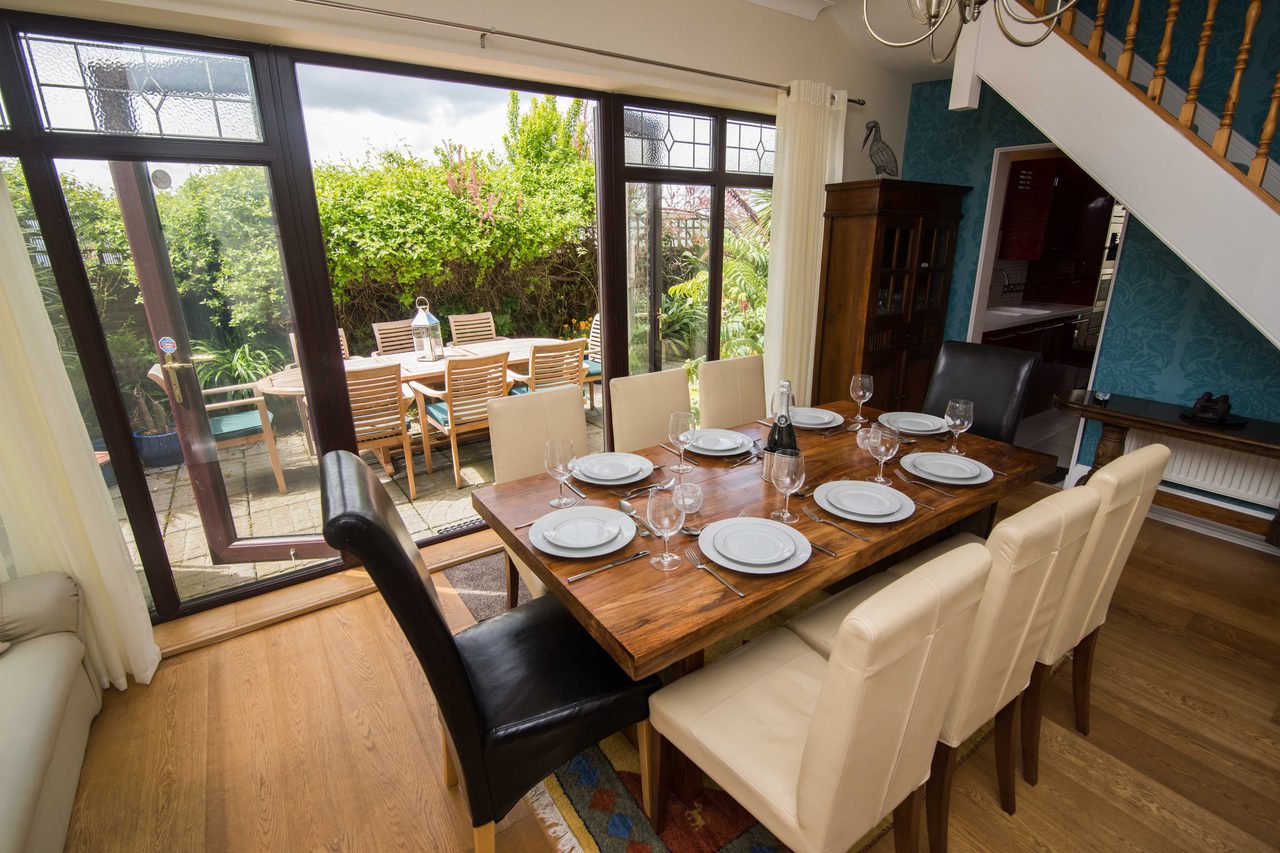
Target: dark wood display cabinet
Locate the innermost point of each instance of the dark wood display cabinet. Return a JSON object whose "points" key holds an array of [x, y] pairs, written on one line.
{"points": [[887, 253]]}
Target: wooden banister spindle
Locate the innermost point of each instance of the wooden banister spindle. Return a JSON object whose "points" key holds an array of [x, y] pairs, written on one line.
{"points": [[1125, 66], [1258, 168], [1222, 138], [1187, 117], [1099, 33], [1068, 21], [1155, 90]]}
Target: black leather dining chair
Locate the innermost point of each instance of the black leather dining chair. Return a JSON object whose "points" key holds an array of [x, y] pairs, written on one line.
{"points": [[994, 378], [519, 694]]}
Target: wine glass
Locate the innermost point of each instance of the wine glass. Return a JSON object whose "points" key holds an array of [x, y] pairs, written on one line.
{"points": [[558, 457], [680, 427], [788, 477], [958, 417], [861, 387], [689, 498], [882, 443], [665, 517]]}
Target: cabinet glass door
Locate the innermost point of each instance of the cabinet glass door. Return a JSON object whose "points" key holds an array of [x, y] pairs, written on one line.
{"points": [[932, 271], [895, 267]]}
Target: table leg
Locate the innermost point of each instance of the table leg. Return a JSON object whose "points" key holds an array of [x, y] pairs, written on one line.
{"points": [[683, 777], [1110, 447]]}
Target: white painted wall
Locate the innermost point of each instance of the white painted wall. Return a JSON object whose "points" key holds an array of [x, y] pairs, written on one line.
{"points": [[729, 36], [1220, 228]]}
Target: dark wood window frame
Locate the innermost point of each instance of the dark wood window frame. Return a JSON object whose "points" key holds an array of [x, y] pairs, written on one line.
{"points": [[285, 155]]}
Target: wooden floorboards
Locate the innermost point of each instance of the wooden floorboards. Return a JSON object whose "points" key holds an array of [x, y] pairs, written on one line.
{"points": [[319, 733]]}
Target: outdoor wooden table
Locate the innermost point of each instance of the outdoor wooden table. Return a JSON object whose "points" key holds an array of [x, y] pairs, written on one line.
{"points": [[648, 620], [288, 382]]}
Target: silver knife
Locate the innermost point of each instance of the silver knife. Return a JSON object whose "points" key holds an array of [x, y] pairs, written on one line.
{"points": [[637, 555], [687, 458], [752, 458], [823, 549], [576, 490]]}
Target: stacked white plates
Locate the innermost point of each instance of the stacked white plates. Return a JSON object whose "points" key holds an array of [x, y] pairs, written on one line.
{"points": [[914, 423], [582, 531], [869, 503], [754, 546], [612, 469], [806, 418], [718, 442], [947, 468]]}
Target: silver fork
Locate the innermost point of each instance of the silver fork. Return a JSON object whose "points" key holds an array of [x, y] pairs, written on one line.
{"points": [[814, 516], [636, 491], [698, 564], [904, 478]]}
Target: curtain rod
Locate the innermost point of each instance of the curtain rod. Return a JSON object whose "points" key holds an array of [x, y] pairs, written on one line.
{"points": [[485, 32]]}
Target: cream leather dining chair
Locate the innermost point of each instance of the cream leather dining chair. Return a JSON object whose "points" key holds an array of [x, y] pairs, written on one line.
{"points": [[731, 391], [518, 430], [1032, 552], [641, 407], [1125, 489], [820, 751]]}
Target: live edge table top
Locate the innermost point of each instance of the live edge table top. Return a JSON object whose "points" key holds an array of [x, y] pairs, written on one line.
{"points": [[647, 619]]}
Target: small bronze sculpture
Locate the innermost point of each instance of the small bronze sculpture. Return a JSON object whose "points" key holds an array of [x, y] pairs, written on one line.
{"points": [[1211, 408]]}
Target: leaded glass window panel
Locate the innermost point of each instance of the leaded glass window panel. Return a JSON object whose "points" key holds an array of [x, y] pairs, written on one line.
{"points": [[750, 147], [85, 86], [667, 139]]}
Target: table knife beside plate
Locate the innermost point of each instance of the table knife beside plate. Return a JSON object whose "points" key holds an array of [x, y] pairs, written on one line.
{"points": [[637, 555]]}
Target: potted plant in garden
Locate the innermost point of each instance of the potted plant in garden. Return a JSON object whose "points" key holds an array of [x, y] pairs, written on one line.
{"points": [[153, 434]]}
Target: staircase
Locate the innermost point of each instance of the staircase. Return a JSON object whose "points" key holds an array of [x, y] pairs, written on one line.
{"points": [[1218, 217]]}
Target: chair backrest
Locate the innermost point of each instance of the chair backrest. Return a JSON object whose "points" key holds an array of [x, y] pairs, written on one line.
{"points": [[471, 383], [342, 345], [641, 406], [467, 328], [595, 342], [890, 676], [1032, 554], [377, 402], [557, 364], [360, 519], [393, 336], [520, 426], [731, 391], [994, 378], [1125, 489]]}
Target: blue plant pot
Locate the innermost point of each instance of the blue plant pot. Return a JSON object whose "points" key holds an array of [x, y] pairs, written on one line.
{"points": [[157, 451]]}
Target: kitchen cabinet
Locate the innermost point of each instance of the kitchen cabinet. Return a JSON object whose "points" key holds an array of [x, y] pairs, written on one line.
{"points": [[1066, 355], [888, 249]]}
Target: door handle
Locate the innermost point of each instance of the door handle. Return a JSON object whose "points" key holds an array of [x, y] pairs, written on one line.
{"points": [[172, 367]]}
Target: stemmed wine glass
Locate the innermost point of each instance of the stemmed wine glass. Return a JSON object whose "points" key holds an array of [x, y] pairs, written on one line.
{"points": [[860, 389], [559, 458], [680, 427], [882, 443], [788, 477], [958, 417], [665, 517]]}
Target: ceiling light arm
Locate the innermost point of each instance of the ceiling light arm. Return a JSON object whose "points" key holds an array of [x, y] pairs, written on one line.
{"points": [[866, 19], [1038, 19], [933, 56], [1001, 11]]}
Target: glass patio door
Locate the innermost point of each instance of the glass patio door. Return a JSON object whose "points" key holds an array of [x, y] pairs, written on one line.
{"points": [[191, 293]]}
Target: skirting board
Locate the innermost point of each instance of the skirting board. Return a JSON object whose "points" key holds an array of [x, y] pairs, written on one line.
{"points": [[1193, 522]]}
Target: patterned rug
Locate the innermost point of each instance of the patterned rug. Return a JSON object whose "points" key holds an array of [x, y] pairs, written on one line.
{"points": [[592, 803]]}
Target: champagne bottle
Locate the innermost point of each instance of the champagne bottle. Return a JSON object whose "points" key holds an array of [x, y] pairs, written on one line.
{"points": [[782, 435]]}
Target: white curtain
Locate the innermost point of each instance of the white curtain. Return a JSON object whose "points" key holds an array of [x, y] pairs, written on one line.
{"points": [[810, 156], [55, 510]]}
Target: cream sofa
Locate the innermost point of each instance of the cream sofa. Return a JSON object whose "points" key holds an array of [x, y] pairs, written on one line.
{"points": [[47, 701]]}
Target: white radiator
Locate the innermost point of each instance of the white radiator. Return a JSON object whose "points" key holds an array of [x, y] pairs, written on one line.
{"points": [[1213, 469]]}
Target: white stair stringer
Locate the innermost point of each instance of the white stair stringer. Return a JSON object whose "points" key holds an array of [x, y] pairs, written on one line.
{"points": [[1222, 230]]}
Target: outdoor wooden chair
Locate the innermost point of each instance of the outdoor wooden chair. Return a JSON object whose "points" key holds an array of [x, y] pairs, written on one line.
{"points": [[462, 407], [551, 365], [471, 328], [342, 345], [380, 413], [232, 429], [304, 414], [393, 337], [594, 362]]}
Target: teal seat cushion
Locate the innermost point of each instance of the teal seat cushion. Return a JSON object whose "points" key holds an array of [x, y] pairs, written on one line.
{"points": [[438, 412], [517, 390], [237, 424], [594, 368]]}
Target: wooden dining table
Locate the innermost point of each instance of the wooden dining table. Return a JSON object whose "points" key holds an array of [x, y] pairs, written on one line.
{"points": [[288, 382], [648, 620]]}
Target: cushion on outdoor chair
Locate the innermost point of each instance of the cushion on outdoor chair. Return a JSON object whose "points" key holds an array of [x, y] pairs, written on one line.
{"points": [[438, 412], [237, 424], [594, 368], [518, 389]]}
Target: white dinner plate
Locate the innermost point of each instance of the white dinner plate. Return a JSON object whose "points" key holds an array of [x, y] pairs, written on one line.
{"points": [[612, 469], [718, 442], [580, 531], [748, 541], [914, 423], [706, 543], [806, 418], [626, 531], [869, 499], [823, 496], [947, 468]]}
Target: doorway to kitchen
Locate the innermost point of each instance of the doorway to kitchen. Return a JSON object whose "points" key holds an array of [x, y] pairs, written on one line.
{"points": [[1051, 242]]}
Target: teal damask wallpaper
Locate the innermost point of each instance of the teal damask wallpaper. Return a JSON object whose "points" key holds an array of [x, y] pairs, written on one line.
{"points": [[1169, 336]]}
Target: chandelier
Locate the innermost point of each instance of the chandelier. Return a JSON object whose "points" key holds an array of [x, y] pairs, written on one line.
{"points": [[932, 13]]}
